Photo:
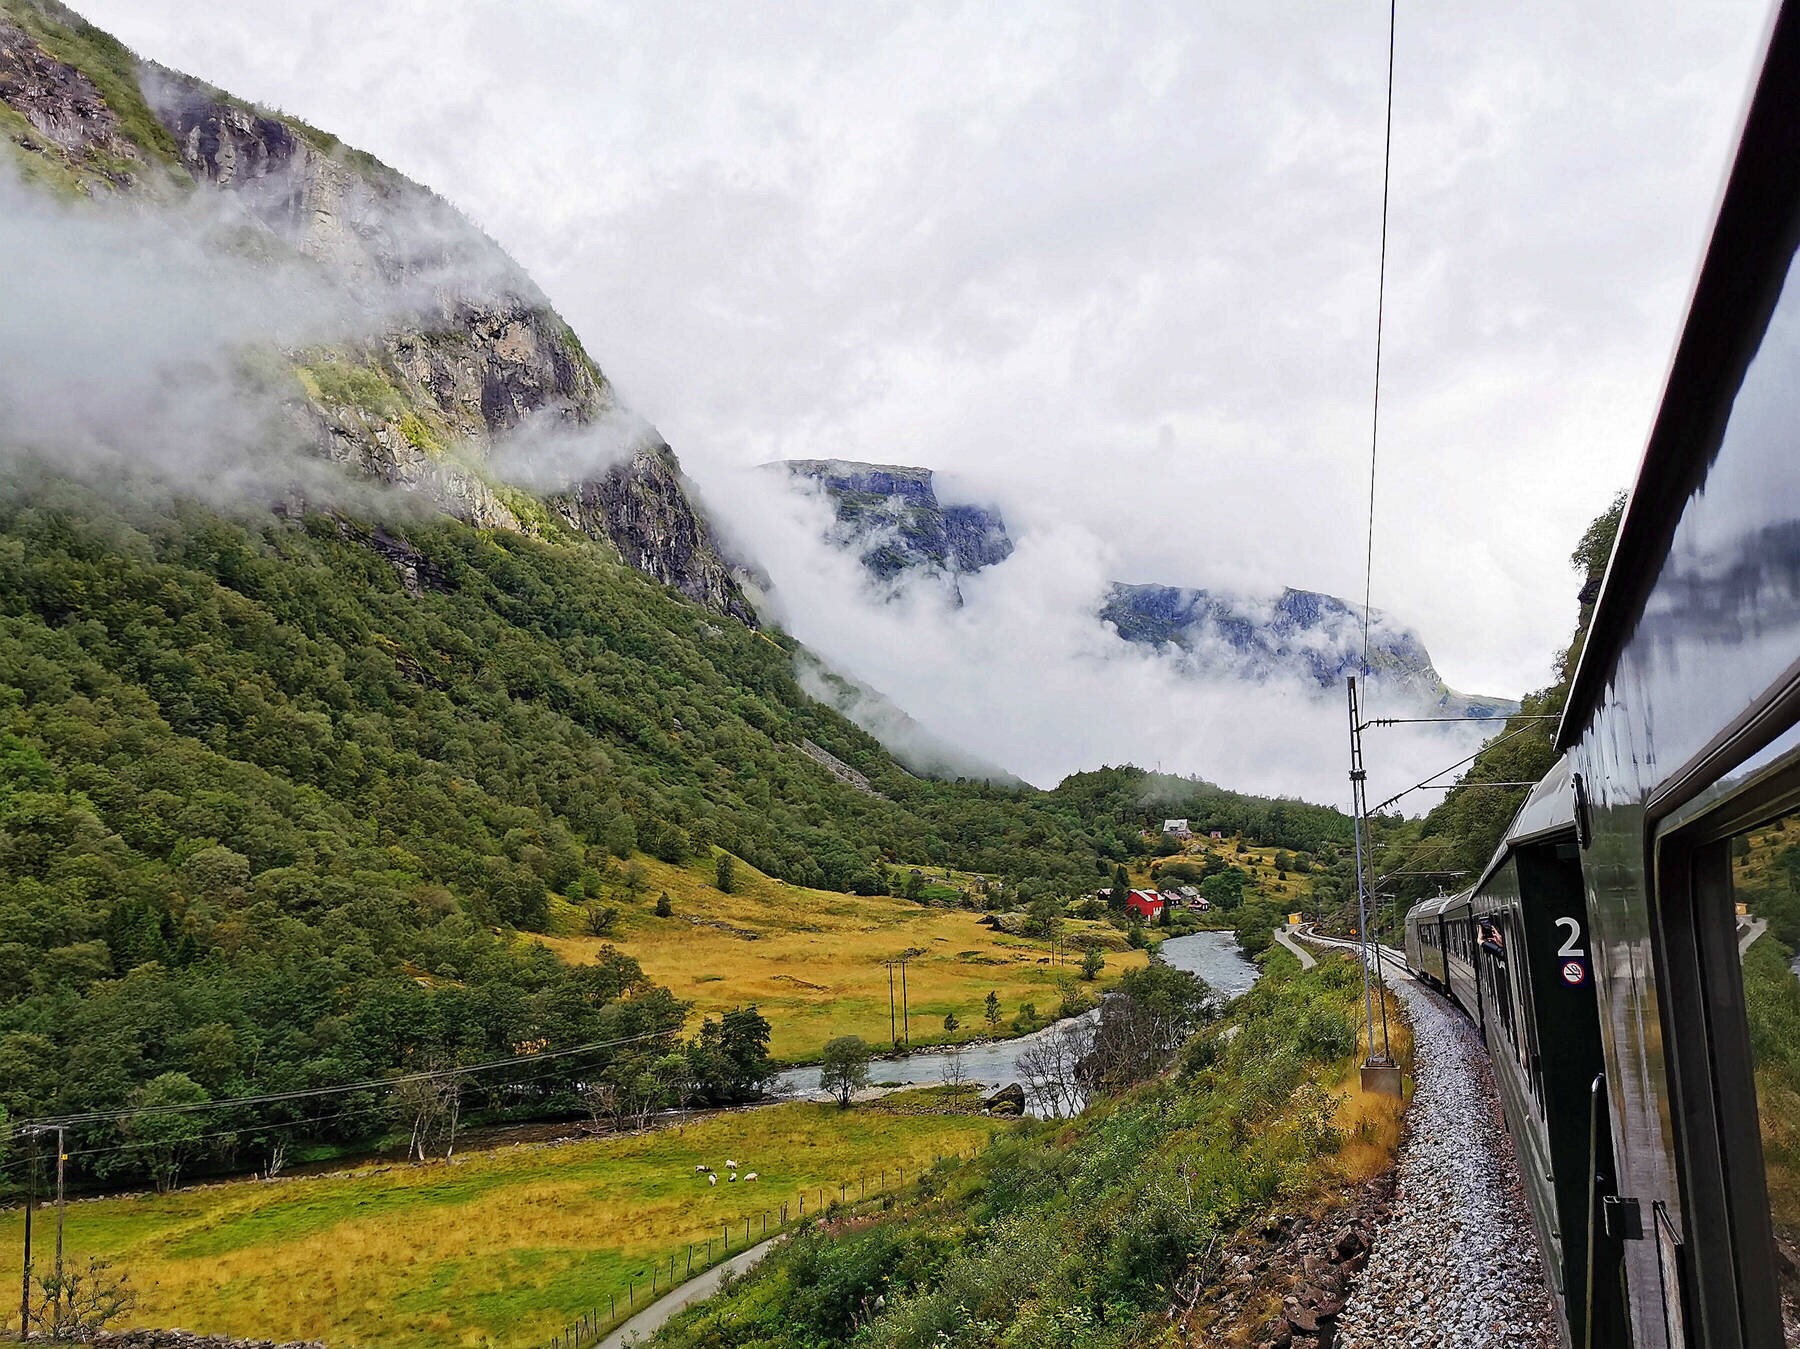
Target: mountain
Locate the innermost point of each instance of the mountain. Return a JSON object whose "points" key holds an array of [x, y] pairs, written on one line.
{"points": [[458, 353], [891, 517], [1318, 637]]}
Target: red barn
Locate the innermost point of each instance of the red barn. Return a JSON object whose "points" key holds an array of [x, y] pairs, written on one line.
{"points": [[1145, 902]]}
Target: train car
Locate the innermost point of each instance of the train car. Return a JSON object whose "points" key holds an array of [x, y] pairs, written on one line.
{"points": [[1425, 942], [1681, 736], [1456, 923], [1542, 1026]]}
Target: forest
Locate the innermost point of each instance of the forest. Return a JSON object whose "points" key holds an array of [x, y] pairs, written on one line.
{"points": [[280, 789]]}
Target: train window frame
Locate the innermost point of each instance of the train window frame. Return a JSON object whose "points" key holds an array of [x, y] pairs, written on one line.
{"points": [[1729, 1282]]}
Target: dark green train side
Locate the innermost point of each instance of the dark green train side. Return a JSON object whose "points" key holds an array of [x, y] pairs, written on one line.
{"points": [[1512, 952], [1609, 953]]}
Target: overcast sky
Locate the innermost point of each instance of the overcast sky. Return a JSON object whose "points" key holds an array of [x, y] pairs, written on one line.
{"points": [[1111, 265]]}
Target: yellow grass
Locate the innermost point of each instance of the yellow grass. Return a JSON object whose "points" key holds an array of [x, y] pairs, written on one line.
{"points": [[811, 960], [1369, 1122], [501, 1248]]}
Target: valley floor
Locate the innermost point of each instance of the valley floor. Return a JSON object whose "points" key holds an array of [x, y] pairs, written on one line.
{"points": [[501, 1248]]}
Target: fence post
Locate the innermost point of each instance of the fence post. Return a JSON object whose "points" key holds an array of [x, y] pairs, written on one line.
{"points": [[690, 1258], [631, 1293]]}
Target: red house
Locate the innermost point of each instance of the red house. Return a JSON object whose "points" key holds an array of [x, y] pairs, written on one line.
{"points": [[1145, 902]]}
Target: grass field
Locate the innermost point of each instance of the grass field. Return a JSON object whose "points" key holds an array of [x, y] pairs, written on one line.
{"points": [[812, 959], [502, 1248]]}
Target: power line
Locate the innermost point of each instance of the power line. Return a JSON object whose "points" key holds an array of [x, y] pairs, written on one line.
{"points": [[1387, 157], [1426, 780], [371, 1084]]}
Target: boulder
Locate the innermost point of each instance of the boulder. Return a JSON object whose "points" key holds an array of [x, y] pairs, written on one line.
{"points": [[1009, 1100]]}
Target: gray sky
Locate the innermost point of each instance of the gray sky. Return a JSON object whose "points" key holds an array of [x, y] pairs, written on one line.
{"points": [[1113, 266]]}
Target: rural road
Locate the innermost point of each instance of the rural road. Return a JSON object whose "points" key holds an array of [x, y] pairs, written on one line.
{"points": [[1751, 930], [1306, 957], [647, 1322]]}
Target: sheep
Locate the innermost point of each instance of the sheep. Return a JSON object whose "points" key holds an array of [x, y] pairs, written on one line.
{"points": [[731, 1164], [732, 1176], [751, 1176], [711, 1179], [702, 1170]]}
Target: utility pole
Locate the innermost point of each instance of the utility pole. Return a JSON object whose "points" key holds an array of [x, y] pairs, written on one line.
{"points": [[905, 1015], [1372, 971], [893, 1030], [30, 1203], [61, 1215], [1379, 1072]]}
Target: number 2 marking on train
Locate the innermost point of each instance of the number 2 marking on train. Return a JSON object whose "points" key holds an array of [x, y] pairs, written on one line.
{"points": [[1569, 947]]}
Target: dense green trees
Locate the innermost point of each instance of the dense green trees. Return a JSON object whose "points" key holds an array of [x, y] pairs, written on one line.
{"points": [[278, 795]]}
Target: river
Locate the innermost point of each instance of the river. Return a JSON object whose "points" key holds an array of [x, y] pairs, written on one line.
{"points": [[1214, 956]]}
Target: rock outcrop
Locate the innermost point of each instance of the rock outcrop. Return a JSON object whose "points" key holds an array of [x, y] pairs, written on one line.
{"points": [[449, 350], [642, 507], [892, 516]]}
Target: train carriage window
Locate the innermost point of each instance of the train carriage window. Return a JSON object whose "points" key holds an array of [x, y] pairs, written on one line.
{"points": [[1765, 886]]}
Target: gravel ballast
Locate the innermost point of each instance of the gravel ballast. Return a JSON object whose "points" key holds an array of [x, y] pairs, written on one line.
{"points": [[1457, 1261]]}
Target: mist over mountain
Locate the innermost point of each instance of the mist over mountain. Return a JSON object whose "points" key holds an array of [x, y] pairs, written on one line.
{"points": [[224, 276], [891, 518]]}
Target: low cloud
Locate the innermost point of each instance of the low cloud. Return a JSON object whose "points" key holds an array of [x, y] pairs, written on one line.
{"points": [[1025, 675]]}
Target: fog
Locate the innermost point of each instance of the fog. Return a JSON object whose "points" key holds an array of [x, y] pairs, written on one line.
{"points": [[1024, 675]]}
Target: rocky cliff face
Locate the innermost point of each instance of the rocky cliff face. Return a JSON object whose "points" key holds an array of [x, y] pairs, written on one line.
{"points": [[641, 506], [892, 517], [456, 350]]}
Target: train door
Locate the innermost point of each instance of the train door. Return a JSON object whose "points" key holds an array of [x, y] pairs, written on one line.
{"points": [[1562, 1029], [1729, 887]]}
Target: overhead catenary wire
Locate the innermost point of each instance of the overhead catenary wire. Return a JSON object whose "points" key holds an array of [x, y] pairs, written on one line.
{"points": [[1426, 780], [1387, 158]]}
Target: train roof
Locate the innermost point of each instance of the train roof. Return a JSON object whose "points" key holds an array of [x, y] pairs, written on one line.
{"points": [[1733, 297], [1548, 811], [1431, 908]]}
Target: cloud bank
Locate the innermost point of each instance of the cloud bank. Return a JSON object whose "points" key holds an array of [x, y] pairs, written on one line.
{"points": [[1023, 674]]}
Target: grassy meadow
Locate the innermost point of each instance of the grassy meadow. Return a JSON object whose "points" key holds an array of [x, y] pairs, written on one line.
{"points": [[812, 959], [500, 1248]]}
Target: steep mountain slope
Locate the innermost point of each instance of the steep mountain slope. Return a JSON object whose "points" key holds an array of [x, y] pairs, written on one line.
{"points": [[891, 517], [458, 351]]}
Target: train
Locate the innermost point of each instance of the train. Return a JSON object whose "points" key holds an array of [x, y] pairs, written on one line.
{"points": [[1619, 953]]}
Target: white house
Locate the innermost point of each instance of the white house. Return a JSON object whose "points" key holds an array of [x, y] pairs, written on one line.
{"points": [[1179, 828]]}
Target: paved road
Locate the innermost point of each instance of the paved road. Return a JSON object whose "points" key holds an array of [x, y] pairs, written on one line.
{"points": [[1307, 960], [1752, 930], [647, 1322]]}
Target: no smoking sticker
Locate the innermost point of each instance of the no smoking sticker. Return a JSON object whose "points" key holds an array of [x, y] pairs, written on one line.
{"points": [[1573, 972]]}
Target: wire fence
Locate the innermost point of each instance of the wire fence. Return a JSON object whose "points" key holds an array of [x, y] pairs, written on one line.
{"points": [[733, 1237]]}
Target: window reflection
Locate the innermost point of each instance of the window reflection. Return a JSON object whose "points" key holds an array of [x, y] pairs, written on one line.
{"points": [[1765, 873]]}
